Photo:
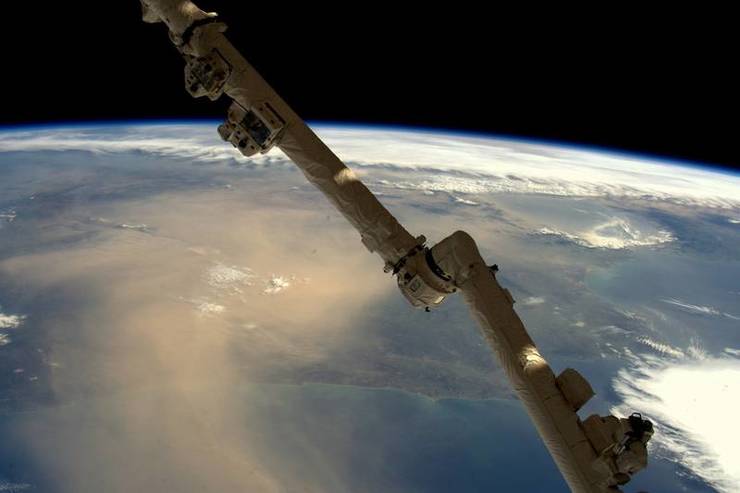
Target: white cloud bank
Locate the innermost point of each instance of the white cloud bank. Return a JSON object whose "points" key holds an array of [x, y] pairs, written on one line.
{"points": [[10, 321], [444, 162], [533, 300], [615, 234], [698, 309], [693, 401]]}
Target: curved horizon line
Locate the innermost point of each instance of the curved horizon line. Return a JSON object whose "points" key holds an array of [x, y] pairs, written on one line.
{"points": [[572, 145]]}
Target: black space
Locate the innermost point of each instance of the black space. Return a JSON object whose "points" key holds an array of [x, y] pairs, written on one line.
{"points": [[624, 80]]}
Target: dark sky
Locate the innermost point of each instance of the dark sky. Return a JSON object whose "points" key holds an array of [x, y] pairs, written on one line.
{"points": [[617, 79]]}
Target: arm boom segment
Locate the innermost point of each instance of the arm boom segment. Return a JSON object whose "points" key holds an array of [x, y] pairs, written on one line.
{"points": [[595, 455], [260, 119], [552, 403]]}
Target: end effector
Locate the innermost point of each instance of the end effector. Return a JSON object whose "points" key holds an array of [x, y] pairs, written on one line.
{"points": [[252, 127], [621, 445]]}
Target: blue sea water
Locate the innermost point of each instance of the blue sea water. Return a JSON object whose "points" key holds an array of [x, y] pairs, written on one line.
{"points": [[389, 440], [369, 440], [364, 439]]}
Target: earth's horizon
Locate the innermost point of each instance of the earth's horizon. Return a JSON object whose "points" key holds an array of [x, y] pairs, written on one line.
{"points": [[645, 156], [176, 317]]}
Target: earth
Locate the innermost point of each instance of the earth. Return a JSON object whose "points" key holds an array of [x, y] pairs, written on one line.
{"points": [[174, 317]]}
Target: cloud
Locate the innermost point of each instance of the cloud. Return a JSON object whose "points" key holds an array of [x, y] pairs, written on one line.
{"points": [[441, 162], [230, 278], [136, 227], [232, 284], [10, 321], [662, 348], [209, 308], [236, 280], [178, 141], [533, 300], [693, 403], [615, 234], [698, 309], [204, 307], [8, 215], [689, 308], [8, 487], [460, 200], [619, 233], [612, 330], [276, 284]]}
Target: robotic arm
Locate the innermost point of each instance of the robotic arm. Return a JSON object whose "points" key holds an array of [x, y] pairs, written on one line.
{"points": [[259, 119], [595, 455]]}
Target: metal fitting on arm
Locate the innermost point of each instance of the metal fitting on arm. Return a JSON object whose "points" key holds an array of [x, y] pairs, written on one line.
{"points": [[179, 15], [252, 130]]}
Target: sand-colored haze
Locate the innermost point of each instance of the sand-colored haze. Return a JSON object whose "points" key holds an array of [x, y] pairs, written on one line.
{"points": [[169, 323]]}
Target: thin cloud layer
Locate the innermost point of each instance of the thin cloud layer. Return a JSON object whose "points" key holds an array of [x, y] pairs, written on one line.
{"points": [[7, 216], [8, 487], [698, 309], [459, 164], [230, 278], [533, 300]]}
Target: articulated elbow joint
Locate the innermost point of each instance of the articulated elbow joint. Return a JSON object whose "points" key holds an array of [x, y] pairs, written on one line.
{"points": [[427, 275], [456, 256], [416, 275]]}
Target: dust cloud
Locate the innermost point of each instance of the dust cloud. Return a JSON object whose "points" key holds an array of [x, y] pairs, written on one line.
{"points": [[163, 326]]}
